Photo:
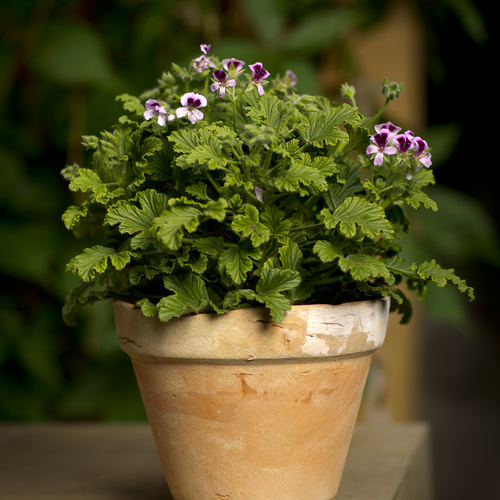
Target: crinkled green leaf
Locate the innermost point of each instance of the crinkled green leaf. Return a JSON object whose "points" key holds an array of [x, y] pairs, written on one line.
{"points": [[291, 255], [268, 110], [349, 183], [274, 280], [303, 179], [185, 215], [248, 224], [147, 307], [73, 214], [216, 210], [414, 194], [138, 221], [198, 148], [324, 164], [287, 149], [95, 260], [259, 134], [277, 304], [189, 295], [275, 220], [433, 271], [365, 267], [158, 166], [234, 298], [326, 251], [357, 213], [131, 103], [236, 179], [212, 245], [171, 226], [417, 198], [324, 126], [236, 261], [149, 146], [88, 181], [198, 190]]}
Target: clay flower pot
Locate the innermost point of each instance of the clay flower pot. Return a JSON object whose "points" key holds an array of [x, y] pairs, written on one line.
{"points": [[243, 408]]}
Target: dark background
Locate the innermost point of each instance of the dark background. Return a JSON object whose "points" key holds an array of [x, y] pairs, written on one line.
{"points": [[62, 63]]}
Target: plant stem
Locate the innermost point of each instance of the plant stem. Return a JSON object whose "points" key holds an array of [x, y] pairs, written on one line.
{"points": [[213, 182], [374, 118]]}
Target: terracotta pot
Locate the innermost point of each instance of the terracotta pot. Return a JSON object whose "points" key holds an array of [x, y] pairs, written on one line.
{"points": [[243, 408]]}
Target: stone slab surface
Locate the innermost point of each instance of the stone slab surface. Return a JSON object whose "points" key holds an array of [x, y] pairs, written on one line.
{"points": [[82, 461]]}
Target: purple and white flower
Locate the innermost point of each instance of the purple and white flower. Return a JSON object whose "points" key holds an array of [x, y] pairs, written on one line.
{"points": [[203, 62], [421, 153], [381, 145], [153, 108], [259, 76], [404, 142], [221, 82], [411, 150], [387, 126], [191, 102], [233, 66]]}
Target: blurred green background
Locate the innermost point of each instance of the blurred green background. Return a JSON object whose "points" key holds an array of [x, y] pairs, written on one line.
{"points": [[63, 62]]}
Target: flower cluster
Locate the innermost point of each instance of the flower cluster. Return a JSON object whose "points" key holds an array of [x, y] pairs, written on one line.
{"points": [[408, 149], [203, 62], [223, 78]]}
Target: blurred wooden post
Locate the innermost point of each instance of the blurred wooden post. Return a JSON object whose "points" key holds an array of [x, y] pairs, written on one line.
{"points": [[394, 48]]}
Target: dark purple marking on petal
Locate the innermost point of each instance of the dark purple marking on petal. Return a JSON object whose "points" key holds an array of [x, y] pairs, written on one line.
{"points": [[220, 75], [259, 73]]}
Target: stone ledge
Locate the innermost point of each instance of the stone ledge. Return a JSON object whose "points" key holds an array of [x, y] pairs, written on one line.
{"points": [[82, 461]]}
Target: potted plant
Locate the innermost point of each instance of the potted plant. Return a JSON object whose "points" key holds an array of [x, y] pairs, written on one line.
{"points": [[249, 237]]}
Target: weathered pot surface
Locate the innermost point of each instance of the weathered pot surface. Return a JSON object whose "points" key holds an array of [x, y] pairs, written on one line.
{"points": [[243, 408]]}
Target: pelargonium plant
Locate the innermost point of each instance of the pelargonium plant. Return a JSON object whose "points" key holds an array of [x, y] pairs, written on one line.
{"points": [[224, 188]]}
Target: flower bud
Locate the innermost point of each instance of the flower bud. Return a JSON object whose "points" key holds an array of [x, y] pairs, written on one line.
{"points": [[392, 90]]}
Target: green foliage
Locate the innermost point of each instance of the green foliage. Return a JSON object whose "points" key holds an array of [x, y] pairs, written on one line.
{"points": [[61, 65], [261, 202]]}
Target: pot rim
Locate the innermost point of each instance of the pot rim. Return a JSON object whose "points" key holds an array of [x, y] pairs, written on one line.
{"points": [[249, 334]]}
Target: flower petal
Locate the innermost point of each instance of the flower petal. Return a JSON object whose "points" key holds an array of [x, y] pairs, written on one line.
{"points": [[197, 114], [232, 66], [186, 98], [203, 101], [151, 104], [259, 73], [387, 126], [162, 119], [259, 193], [180, 112], [148, 114]]}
